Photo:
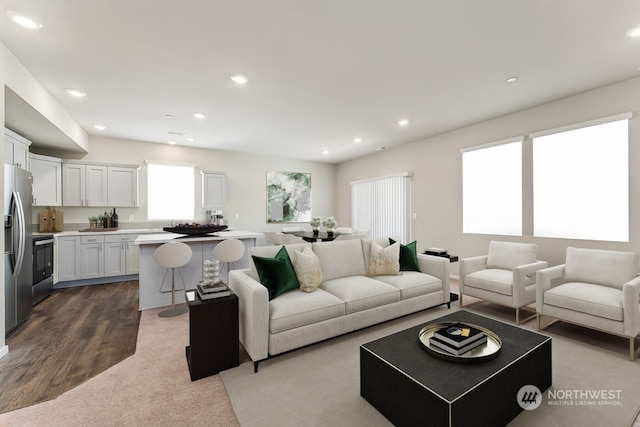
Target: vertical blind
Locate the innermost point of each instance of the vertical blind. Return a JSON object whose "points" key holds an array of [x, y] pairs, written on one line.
{"points": [[382, 206]]}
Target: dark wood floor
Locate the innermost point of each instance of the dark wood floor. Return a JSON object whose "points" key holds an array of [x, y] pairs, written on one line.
{"points": [[71, 336]]}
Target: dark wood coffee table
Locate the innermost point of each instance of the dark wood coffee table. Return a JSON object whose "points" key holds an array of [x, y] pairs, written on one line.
{"points": [[411, 387]]}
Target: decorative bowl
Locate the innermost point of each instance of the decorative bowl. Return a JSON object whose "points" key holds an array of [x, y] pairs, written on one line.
{"points": [[195, 229]]}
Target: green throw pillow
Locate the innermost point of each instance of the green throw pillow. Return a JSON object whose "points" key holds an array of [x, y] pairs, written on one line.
{"points": [[277, 273], [408, 256]]}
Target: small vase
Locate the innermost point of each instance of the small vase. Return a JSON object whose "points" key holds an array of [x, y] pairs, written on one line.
{"points": [[315, 231], [330, 232]]}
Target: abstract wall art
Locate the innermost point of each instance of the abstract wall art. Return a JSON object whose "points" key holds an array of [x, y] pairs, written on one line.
{"points": [[288, 197]]}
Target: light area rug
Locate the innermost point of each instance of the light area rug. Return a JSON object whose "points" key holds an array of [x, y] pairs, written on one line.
{"points": [[150, 388], [320, 385]]}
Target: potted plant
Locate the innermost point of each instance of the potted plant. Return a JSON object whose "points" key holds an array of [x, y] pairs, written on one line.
{"points": [[93, 222], [331, 224], [315, 224]]}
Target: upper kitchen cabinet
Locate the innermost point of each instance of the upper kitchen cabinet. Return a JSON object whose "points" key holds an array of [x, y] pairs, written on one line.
{"points": [[85, 184], [47, 180], [122, 186], [214, 191], [16, 149]]}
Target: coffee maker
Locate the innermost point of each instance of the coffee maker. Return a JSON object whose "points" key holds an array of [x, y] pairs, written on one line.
{"points": [[214, 217]]}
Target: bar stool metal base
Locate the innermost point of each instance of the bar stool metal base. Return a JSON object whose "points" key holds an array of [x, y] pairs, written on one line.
{"points": [[174, 311]]}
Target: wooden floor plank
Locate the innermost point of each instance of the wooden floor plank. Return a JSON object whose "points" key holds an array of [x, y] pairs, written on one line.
{"points": [[70, 337]]}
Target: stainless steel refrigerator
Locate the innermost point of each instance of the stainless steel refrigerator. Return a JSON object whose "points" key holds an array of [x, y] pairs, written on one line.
{"points": [[18, 256]]}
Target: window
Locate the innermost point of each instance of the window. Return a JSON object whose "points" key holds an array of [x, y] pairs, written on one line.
{"points": [[170, 191], [492, 188], [581, 181], [382, 206]]}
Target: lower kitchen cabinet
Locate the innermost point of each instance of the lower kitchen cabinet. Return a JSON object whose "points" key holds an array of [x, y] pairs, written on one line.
{"points": [[67, 259], [121, 255], [94, 257]]}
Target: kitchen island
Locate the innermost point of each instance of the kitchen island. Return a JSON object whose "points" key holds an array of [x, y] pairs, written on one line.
{"points": [[151, 274]]}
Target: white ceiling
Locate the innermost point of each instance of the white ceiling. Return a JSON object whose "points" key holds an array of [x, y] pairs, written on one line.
{"points": [[322, 72]]}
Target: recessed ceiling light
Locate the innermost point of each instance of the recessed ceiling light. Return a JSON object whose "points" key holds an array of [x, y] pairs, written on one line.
{"points": [[171, 142], [403, 122], [99, 127], [358, 139], [325, 152], [24, 21], [168, 116], [634, 32], [190, 138], [199, 115], [76, 93], [511, 79], [240, 79]]}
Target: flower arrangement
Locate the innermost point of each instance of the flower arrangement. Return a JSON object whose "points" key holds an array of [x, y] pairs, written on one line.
{"points": [[315, 222], [330, 223]]}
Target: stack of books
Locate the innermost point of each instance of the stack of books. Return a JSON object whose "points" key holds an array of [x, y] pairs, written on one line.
{"points": [[435, 251], [458, 338], [206, 292]]}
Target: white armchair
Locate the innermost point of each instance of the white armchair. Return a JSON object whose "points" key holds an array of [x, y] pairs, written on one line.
{"points": [[594, 288], [506, 275]]}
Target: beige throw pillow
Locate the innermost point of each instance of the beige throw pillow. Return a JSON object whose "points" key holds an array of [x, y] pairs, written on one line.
{"points": [[307, 267], [384, 261]]}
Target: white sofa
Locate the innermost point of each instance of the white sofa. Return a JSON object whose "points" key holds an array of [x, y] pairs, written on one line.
{"points": [[347, 300], [599, 289]]}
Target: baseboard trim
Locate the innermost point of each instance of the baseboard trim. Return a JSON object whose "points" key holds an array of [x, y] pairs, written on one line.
{"points": [[4, 351]]}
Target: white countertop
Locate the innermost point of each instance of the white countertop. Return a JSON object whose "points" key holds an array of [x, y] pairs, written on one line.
{"points": [[119, 231], [155, 239]]}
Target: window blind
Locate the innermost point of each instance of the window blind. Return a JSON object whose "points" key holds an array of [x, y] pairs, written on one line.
{"points": [[382, 206]]}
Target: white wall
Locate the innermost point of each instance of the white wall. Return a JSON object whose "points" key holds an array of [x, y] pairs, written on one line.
{"points": [[246, 180], [437, 182], [15, 76]]}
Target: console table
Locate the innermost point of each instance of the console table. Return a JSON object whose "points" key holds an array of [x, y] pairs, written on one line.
{"points": [[213, 335]]}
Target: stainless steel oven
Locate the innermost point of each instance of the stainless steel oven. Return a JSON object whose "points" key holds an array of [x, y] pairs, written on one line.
{"points": [[42, 267]]}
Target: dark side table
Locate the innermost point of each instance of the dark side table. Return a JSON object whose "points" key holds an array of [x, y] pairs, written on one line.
{"points": [[213, 335], [452, 258]]}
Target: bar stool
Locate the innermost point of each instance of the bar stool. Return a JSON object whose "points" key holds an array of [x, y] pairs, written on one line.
{"points": [[270, 237], [229, 251], [172, 255]]}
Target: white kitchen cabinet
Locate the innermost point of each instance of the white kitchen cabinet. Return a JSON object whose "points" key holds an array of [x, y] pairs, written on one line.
{"points": [[120, 255], [214, 189], [84, 185], [132, 257], [122, 186], [47, 180], [16, 149], [92, 257], [114, 259], [67, 258]]}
